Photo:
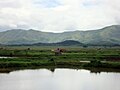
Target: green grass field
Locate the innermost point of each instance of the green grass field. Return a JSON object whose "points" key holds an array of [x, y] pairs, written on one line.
{"points": [[30, 56]]}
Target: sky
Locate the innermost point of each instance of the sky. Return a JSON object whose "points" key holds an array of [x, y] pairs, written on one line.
{"points": [[58, 15]]}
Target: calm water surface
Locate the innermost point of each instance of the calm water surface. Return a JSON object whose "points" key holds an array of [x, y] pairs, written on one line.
{"points": [[60, 79]]}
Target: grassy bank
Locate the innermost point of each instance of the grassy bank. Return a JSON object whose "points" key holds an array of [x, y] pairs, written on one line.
{"points": [[22, 62], [43, 56]]}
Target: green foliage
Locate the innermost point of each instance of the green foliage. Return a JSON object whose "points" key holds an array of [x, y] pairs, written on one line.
{"points": [[43, 56], [95, 63]]}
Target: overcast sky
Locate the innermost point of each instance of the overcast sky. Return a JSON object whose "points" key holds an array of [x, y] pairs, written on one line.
{"points": [[58, 15]]}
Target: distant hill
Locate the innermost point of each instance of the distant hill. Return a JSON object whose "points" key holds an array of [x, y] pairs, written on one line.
{"points": [[106, 36], [64, 43]]}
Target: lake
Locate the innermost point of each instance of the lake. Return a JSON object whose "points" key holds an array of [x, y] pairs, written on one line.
{"points": [[59, 79]]}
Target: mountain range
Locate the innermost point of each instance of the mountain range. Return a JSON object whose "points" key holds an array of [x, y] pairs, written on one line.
{"points": [[109, 35]]}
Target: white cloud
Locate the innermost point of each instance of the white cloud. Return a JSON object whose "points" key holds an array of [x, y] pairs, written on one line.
{"points": [[58, 15]]}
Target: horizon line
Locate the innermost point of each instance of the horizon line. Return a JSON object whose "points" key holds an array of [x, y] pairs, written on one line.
{"points": [[60, 32]]}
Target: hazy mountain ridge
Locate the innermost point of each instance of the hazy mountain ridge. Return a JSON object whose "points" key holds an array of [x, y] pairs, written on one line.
{"points": [[106, 36], [63, 43]]}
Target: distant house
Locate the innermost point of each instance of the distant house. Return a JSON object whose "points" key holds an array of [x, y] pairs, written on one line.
{"points": [[59, 51]]}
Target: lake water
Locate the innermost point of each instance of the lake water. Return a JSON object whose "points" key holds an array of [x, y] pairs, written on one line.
{"points": [[7, 57], [60, 79]]}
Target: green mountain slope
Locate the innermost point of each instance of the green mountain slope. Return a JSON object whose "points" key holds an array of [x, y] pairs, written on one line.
{"points": [[106, 36]]}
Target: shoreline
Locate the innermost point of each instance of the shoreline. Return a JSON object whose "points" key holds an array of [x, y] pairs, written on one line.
{"points": [[52, 69]]}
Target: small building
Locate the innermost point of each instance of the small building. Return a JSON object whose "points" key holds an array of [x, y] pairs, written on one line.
{"points": [[58, 52]]}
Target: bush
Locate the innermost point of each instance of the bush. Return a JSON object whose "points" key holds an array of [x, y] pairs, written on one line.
{"points": [[95, 63]]}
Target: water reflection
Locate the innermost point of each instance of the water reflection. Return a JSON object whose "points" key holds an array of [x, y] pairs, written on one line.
{"points": [[59, 79], [52, 69]]}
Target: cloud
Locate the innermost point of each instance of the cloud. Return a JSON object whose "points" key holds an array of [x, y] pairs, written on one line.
{"points": [[58, 15], [46, 3]]}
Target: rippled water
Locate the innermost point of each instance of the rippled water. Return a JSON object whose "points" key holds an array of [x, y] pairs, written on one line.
{"points": [[60, 79]]}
